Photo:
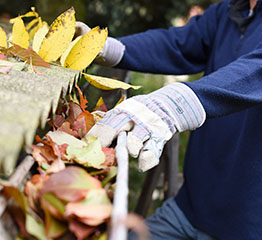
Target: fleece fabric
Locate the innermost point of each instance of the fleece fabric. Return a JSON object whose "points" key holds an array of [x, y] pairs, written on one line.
{"points": [[222, 192]]}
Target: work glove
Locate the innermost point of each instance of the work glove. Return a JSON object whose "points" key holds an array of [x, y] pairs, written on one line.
{"points": [[112, 52], [151, 120]]}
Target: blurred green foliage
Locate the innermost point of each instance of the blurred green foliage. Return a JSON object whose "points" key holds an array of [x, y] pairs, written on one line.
{"points": [[122, 17]]}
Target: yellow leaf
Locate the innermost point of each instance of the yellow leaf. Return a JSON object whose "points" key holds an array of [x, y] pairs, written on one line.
{"points": [[86, 49], [31, 24], [3, 38], [66, 52], [19, 34], [39, 37], [59, 36], [107, 83]]}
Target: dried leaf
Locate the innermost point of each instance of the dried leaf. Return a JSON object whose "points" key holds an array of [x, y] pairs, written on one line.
{"points": [[91, 155], [86, 49], [83, 100], [19, 34], [43, 154], [70, 184], [59, 36], [39, 37], [53, 205], [3, 38], [61, 138], [35, 227], [110, 156], [27, 55], [107, 83], [95, 209], [53, 227], [84, 122], [74, 111], [100, 105], [80, 230]]}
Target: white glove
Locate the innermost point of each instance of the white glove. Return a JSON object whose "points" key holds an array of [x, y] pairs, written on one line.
{"points": [[112, 52], [151, 120]]}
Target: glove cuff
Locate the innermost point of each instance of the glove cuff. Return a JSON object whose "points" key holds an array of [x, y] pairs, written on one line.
{"points": [[182, 105], [112, 53]]}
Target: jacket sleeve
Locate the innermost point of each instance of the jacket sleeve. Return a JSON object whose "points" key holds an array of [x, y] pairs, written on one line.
{"points": [[232, 88], [177, 50]]}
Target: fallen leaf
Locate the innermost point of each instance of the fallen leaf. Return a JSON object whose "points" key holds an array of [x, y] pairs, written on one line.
{"points": [[61, 138], [39, 37], [27, 55], [111, 174], [84, 122], [19, 34], [66, 52], [52, 204], [59, 36], [43, 154], [53, 227], [110, 156], [95, 209], [35, 227], [100, 105], [3, 38], [70, 184], [74, 111], [86, 49], [91, 155], [65, 127], [83, 100], [81, 231], [107, 83]]}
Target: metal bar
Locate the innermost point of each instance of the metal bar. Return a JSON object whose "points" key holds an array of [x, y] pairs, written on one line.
{"points": [[145, 198], [120, 203], [172, 149]]}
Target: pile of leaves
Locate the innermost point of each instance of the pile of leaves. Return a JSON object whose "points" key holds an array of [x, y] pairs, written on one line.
{"points": [[72, 190]]}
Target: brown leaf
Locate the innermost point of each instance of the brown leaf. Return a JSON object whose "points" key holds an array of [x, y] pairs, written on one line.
{"points": [[43, 154], [74, 111], [27, 55], [84, 122], [110, 156], [80, 230]]}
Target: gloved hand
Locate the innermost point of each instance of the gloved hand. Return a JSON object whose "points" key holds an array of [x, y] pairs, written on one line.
{"points": [[150, 121], [112, 52]]}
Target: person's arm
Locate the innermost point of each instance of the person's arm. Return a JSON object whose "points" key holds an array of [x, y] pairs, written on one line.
{"points": [[232, 88], [177, 50]]}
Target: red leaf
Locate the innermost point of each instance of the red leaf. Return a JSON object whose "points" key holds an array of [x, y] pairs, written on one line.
{"points": [[58, 121], [70, 184], [27, 55], [80, 230], [66, 128], [110, 156], [3, 57], [84, 122]]}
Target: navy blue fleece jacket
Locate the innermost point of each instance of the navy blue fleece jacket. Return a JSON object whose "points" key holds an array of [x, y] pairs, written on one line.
{"points": [[222, 192]]}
